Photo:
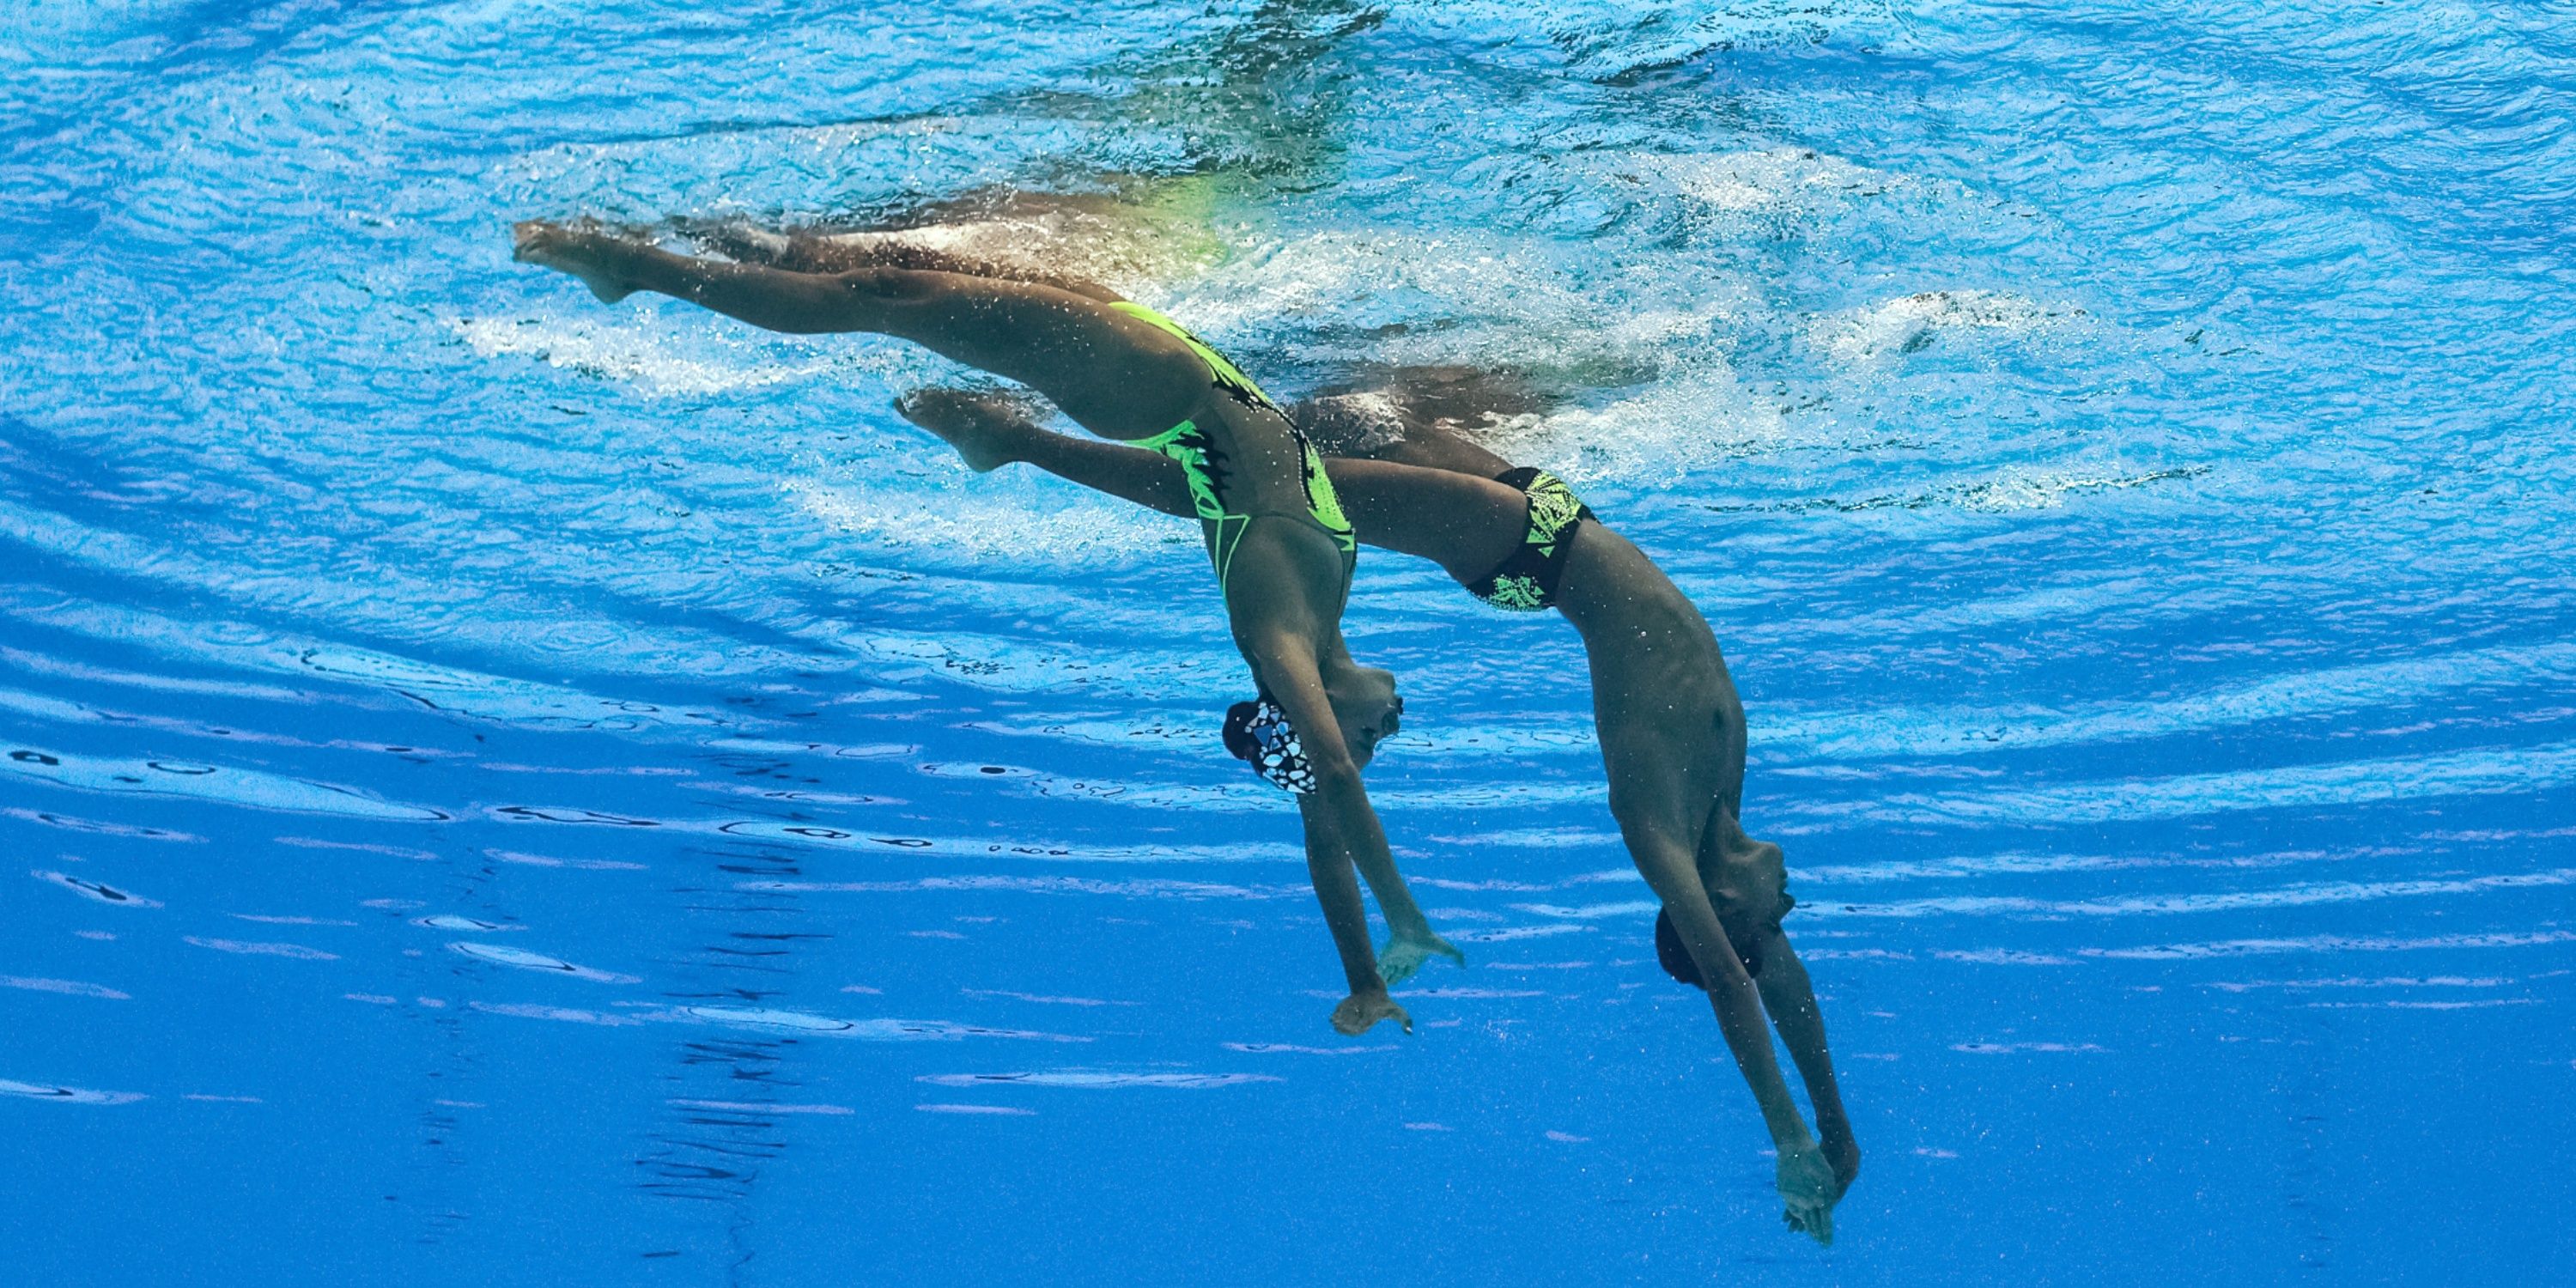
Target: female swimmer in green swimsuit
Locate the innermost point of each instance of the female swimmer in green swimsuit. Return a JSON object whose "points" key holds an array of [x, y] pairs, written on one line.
{"points": [[1671, 728], [1282, 547]]}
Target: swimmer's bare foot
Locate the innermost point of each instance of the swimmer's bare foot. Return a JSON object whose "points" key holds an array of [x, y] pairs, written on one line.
{"points": [[984, 427], [1360, 1012], [583, 249], [1407, 950], [1808, 1191]]}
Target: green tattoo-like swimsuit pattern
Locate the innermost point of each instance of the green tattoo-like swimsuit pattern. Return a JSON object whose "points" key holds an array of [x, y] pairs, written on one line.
{"points": [[1527, 580], [1201, 464]]}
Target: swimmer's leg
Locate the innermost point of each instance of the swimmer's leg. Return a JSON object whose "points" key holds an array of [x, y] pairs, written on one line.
{"points": [[1466, 525], [847, 252], [993, 202], [1113, 374], [739, 240], [990, 430], [1431, 447], [903, 242], [1435, 412], [1463, 399]]}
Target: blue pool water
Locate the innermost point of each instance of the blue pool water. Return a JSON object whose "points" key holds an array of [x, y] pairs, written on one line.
{"points": [[501, 789]]}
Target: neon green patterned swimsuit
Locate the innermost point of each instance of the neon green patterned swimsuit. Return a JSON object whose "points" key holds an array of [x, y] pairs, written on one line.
{"points": [[1527, 580], [1203, 464]]}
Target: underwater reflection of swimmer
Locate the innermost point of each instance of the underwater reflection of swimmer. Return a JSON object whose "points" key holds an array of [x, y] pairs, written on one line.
{"points": [[1671, 728], [1283, 551], [1095, 245], [1070, 241]]}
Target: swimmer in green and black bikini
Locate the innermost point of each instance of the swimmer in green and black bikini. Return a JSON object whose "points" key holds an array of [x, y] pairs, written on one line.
{"points": [[1671, 727], [1282, 547], [1202, 462]]}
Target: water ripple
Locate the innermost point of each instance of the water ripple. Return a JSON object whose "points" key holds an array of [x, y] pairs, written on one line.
{"points": [[66, 1095], [66, 987], [213, 783], [1097, 1081], [525, 960]]}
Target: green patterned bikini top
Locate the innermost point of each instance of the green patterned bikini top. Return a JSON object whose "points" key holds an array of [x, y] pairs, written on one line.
{"points": [[1527, 580], [1204, 465]]}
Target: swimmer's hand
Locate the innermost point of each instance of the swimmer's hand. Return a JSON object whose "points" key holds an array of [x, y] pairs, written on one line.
{"points": [[1407, 950], [582, 248], [983, 427], [1360, 1012], [1808, 1188]]}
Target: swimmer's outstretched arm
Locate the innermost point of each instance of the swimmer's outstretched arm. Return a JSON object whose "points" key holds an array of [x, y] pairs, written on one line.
{"points": [[1114, 375], [1329, 864], [1806, 1181], [1790, 997], [1342, 831]]}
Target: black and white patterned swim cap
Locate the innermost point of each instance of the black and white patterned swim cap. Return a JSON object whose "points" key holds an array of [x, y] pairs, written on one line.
{"points": [[1259, 732]]}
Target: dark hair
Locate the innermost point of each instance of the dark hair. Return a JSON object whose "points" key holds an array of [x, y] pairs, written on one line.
{"points": [[1238, 729], [1676, 957]]}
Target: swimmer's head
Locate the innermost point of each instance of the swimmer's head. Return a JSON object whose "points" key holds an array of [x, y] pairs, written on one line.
{"points": [[1676, 959], [1367, 708], [1365, 705], [1258, 733]]}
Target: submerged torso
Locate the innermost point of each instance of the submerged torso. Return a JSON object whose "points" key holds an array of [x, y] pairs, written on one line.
{"points": [[1652, 653], [1243, 458]]}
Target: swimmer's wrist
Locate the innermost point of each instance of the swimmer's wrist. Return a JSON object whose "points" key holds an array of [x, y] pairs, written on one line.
{"points": [[1833, 1127]]}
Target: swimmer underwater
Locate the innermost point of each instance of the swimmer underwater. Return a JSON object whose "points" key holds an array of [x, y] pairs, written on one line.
{"points": [[1283, 550], [1671, 726], [1511, 537]]}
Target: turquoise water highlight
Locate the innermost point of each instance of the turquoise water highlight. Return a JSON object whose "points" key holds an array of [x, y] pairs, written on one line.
{"points": [[508, 787]]}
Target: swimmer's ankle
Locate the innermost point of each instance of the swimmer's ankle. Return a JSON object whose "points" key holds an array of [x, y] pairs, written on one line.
{"points": [[981, 428], [581, 249], [1843, 1153]]}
